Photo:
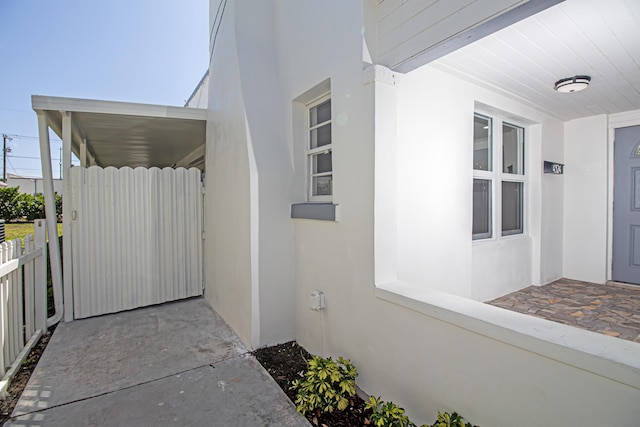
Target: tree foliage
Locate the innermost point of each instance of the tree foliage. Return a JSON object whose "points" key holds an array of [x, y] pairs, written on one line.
{"points": [[15, 206], [9, 203]]}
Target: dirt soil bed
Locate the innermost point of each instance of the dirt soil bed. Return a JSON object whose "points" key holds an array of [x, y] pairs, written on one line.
{"points": [[287, 362], [21, 378]]}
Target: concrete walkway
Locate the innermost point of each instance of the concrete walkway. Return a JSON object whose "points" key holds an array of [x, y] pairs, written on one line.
{"points": [[173, 364]]}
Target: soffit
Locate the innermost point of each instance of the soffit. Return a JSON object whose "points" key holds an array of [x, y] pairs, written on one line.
{"points": [[127, 134], [592, 37]]}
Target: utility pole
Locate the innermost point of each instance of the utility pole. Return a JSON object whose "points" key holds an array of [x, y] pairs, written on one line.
{"points": [[5, 138]]}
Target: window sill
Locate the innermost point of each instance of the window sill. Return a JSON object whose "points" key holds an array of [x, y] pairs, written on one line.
{"points": [[501, 239], [609, 357], [317, 211]]}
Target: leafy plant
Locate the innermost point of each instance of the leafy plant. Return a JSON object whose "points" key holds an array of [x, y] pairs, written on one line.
{"points": [[8, 203], [387, 414], [58, 201], [450, 420], [30, 207], [16, 206], [327, 385]]}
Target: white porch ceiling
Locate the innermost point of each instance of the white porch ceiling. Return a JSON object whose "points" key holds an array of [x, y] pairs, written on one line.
{"points": [[127, 134], [599, 38]]}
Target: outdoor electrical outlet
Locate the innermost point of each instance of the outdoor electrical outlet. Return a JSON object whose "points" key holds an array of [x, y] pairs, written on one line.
{"points": [[316, 300]]}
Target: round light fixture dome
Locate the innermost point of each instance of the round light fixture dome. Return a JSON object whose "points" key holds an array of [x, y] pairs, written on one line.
{"points": [[572, 84]]}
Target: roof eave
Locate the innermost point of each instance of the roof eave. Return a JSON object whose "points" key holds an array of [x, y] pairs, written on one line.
{"points": [[54, 103]]}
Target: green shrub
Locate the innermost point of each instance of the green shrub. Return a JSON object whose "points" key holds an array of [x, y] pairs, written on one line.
{"points": [[8, 203], [327, 385], [31, 207], [15, 205], [450, 420], [387, 414], [58, 199]]}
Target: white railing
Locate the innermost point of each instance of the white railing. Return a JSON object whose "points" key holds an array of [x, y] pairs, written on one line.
{"points": [[23, 300]]}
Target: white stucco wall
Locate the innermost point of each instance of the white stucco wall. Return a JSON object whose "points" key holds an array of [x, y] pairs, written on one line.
{"points": [[330, 256], [33, 185], [435, 152], [585, 199], [494, 367], [551, 208], [273, 232], [229, 266], [435, 249], [249, 173]]}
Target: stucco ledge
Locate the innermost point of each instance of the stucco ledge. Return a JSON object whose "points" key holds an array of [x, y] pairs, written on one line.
{"points": [[609, 357], [318, 211]]}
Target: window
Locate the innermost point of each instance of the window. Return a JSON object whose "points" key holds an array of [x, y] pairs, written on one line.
{"points": [[319, 153], [312, 113], [498, 192]]}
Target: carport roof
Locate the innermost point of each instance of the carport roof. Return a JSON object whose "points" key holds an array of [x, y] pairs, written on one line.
{"points": [[129, 134]]}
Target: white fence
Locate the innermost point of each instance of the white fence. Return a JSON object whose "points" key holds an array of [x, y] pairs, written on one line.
{"points": [[23, 299]]}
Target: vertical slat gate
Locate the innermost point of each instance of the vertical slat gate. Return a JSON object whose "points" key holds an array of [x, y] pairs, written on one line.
{"points": [[136, 237]]}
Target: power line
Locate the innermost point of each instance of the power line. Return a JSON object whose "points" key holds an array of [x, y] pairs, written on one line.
{"points": [[29, 157], [13, 135], [12, 167]]}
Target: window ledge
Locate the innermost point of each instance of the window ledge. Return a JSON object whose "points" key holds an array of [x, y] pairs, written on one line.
{"points": [[503, 240], [606, 356], [318, 211]]}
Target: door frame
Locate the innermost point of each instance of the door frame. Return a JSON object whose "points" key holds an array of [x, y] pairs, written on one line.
{"points": [[619, 120]]}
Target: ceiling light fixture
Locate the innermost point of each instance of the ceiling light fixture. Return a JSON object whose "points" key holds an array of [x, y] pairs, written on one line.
{"points": [[572, 84]]}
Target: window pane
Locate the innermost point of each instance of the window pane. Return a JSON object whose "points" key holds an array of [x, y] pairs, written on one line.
{"points": [[512, 149], [321, 162], [320, 113], [320, 136], [481, 208], [482, 144], [322, 185], [512, 208]]}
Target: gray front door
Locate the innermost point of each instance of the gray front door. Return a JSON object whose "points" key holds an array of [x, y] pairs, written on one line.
{"points": [[626, 206]]}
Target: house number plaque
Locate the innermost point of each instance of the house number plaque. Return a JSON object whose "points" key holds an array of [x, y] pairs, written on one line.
{"points": [[554, 168]]}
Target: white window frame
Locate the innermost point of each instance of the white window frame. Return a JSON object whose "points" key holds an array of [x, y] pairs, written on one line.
{"points": [[496, 176], [310, 152]]}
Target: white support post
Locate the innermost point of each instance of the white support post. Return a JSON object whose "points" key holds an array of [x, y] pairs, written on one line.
{"points": [[67, 132], [50, 210], [83, 153], [39, 233]]}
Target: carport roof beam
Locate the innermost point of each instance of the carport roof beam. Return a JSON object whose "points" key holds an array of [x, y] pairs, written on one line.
{"points": [[127, 134]]}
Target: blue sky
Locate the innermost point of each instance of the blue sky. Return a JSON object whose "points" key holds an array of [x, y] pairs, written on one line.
{"points": [[148, 51]]}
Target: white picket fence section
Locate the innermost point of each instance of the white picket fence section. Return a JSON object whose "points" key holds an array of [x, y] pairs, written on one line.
{"points": [[136, 237], [23, 300]]}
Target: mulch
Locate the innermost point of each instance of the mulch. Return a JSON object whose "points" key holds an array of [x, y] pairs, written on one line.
{"points": [[288, 362], [21, 378]]}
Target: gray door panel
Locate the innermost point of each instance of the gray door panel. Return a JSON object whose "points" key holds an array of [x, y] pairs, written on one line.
{"points": [[626, 206]]}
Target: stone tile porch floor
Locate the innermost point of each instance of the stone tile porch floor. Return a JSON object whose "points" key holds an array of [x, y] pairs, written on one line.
{"points": [[610, 309]]}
